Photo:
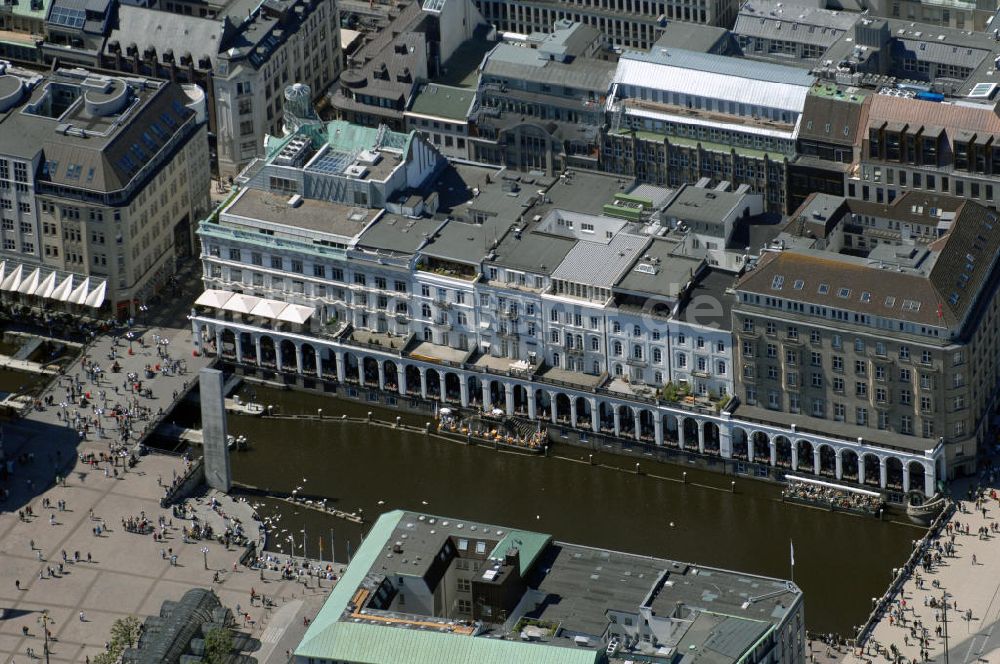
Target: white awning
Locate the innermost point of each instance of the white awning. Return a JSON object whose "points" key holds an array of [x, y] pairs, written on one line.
{"points": [[79, 294], [851, 489], [295, 313], [30, 283], [12, 280], [241, 304], [268, 309], [63, 290], [47, 286], [96, 297], [213, 298]]}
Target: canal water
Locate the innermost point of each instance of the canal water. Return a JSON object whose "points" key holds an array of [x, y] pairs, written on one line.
{"points": [[841, 561]]}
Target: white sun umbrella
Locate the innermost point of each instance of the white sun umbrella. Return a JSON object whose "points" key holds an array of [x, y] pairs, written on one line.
{"points": [[79, 294], [64, 288], [12, 280], [241, 303], [295, 313], [30, 282], [213, 298], [47, 286], [96, 297], [268, 309]]}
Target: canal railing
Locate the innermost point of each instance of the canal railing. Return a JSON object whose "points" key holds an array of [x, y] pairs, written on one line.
{"points": [[901, 575]]}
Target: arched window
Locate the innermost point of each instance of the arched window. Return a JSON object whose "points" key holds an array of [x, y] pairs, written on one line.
{"points": [[618, 348], [425, 311]]}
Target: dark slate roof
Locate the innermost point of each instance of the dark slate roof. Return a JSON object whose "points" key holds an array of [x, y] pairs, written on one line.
{"points": [[167, 30]]}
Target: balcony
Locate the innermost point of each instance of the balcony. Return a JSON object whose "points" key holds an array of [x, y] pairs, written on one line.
{"points": [[636, 362]]}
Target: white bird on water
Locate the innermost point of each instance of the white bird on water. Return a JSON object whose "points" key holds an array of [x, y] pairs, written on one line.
{"points": [[424, 502], [381, 502]]}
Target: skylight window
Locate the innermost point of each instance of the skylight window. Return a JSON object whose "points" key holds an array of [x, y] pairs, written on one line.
{"points": [[798, 284], [890, 301], [823, 289], [844, 292], [777, 282], [911, 305], [866, 296]]}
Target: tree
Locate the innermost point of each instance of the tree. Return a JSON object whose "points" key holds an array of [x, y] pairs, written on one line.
{"points": [[125, 632], [218, 645]]}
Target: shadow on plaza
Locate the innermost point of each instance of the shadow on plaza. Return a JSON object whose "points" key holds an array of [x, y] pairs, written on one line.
{"points": [[37, 454]]}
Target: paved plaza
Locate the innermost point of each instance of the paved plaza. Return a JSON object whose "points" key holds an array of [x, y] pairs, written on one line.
{"points": [[969, 581], [126, 573]]}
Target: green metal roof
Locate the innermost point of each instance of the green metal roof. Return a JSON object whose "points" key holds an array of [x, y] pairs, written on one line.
{"points": [[342, 593], [379, 644], [529, 546], [443, 101], [329, 638]]}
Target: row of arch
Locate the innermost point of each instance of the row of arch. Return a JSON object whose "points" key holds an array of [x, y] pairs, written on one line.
{"points": [[585, 413]]}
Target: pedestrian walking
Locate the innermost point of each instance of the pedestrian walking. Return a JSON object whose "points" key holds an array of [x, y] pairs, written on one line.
{"points": [[82, 617]]}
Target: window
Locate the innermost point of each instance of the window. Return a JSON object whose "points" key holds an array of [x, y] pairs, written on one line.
{"points": [[926, 404], [297, 266], [793, 332], [720, 368], [319, 271], [256, 258], [747, 349], [905, 397], [860, 368], [657, 355], [817, 380], [861, 389], [748, 325], [906, 424], [816, 359], [814, 337], [838, 363], [772, 350], [720, 346], [904, 352], [925, 357], [861, 416]]}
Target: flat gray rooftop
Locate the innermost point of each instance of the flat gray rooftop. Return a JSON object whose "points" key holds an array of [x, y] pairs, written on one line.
{"points": [[706, 206], [313, 215], [536, 253], [398, 235], [658, 272], [587, 191], [708, 303]]}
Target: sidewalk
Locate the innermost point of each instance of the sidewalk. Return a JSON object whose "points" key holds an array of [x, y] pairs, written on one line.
{"points": [[969, 581]]}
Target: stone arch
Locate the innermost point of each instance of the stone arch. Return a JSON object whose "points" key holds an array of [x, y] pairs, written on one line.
{"points": [[369, 375], [918, 476], [761, 447], [475, 389], [582, 413], [741, 444], [521, 400], [287, 356], [543, 404], [713, 439], [498, 396], [804, 453], [827, 461], [228, 343], [645, 424], [690, 433], [247, 347], [391, 375], [670, 425], [849, 465], [329, 362], [894, 473], [562, 407], [870, 468], [434, 386], [626, 420], [308, 358], [267, 353], [452, 386], [352, 368], [412, 379], [783, 448]]}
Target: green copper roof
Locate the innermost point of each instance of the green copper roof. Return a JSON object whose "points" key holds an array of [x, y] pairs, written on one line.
{"points": [[378, 644], [529, 546], [329, 638], [443, 101]]}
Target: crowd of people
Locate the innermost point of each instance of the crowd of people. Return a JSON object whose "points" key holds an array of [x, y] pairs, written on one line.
{"points": [[842, 499]]}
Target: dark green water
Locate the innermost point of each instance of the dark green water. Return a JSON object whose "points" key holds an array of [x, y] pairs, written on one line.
{"points": [[842, 561]]}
